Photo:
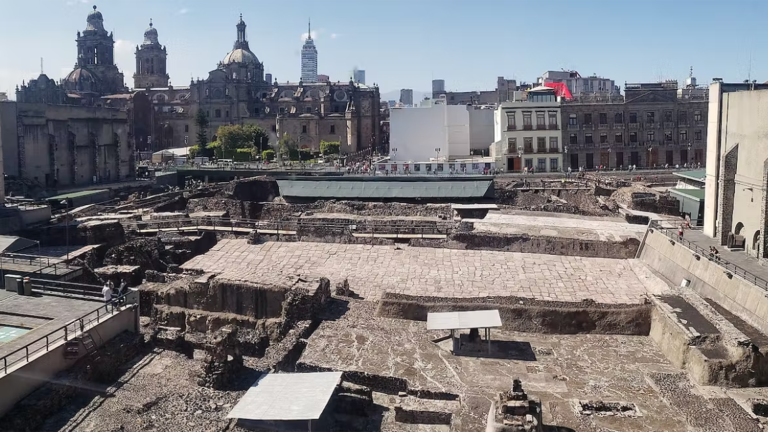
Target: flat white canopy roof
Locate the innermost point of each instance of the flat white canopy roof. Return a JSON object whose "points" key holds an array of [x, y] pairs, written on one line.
{"points": [[463, 320], [287, 396], [474, 206]]}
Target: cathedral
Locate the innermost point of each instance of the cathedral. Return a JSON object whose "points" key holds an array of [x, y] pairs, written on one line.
{"points": [[161, 115]]}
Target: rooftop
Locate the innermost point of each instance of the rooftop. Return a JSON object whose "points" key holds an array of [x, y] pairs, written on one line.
{"points": [[696, 194], [698, 175]]}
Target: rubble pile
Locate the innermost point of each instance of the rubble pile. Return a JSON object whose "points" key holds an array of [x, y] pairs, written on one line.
{"points": [[643, 198], [110, 232], [146, 253], [280, 211], [223, 359]]}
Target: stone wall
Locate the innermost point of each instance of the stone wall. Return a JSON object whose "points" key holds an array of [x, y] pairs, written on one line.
{"points": [[528, 315]]}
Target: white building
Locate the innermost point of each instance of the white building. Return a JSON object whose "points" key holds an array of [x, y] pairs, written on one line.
{"points": [[358, 75], [579, 85], [527, 132], [309, 59], [439, 131]]}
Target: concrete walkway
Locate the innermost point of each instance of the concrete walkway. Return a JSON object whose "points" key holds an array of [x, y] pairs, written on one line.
{"points": [[749, 267]]}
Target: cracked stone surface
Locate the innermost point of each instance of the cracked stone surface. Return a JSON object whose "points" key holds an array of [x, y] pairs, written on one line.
{"points": [[372, 270], [559, 369]]}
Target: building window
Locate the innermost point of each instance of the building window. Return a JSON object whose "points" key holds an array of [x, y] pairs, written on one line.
{"points": [[226, 91], [540, 120], [308, 110], [554, 165], [668, 116], [511, 145], [335, 108], [226, 113], [697, 135], [541, 164], [303, 128], [553, 147], [552, 119], [572, 120], [527, 120], [618, 118], [697, 116], [683, 136], [682, 118], [633, 137], [217, 113], [541, 144], [333, 129], [274, 128], [588, 139], [587, 119], [529, 163], [603, 118], [651, 136], [667, 136], [618, 138], [603, 138], [255, 110], [574, 139], [528, 145], [633, 118], [186, 128], [650, 117], [511, 121], [282, 110]]}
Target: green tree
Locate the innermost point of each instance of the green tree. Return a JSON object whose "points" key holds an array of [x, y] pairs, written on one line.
{"points": [[288, 146], [201, 121], [234, 137], [194, 151], [268, 155], [330, 147]]}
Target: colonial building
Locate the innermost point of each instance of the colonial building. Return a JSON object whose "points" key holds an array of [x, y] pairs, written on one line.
{"points": [[653, 124], [528, 133]]}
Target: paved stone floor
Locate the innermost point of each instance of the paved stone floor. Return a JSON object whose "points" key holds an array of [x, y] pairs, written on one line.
{"points": [[578, 227], [372, 270]]}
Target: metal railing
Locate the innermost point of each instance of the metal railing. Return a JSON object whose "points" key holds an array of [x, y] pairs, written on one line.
{"points": [[722, 262], [42, 263], [69, 331]]}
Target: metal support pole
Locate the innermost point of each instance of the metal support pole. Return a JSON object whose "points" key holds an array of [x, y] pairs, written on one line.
{"points": [[488, 333]]}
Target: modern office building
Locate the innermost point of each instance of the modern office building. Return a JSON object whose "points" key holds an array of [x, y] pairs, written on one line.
{"points": [[358, 75], [406, 97], [309, 58]]}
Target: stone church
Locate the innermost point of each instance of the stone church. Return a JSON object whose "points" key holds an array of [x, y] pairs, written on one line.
{"points": [[92, 118]]}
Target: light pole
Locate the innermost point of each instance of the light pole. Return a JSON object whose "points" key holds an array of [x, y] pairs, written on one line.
{"points": [[650, 153], [66, 221], [567, 159], [437, 151], [608, 165]]}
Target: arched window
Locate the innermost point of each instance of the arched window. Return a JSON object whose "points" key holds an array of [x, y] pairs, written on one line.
{"points": [[217, 113]]}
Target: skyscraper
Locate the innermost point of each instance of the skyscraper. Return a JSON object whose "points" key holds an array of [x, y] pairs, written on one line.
{"points": [[406, 97], [358, 75], [309, 58]]}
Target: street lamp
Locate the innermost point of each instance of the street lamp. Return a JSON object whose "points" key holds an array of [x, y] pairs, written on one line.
{"points": [[66, 220], [393, 151], [609, 159], [567, 159], [520, 156], [650, 149], [437, 150]]}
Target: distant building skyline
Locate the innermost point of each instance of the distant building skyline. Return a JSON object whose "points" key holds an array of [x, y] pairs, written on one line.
{"points": [[406, 97], [358, 75]]}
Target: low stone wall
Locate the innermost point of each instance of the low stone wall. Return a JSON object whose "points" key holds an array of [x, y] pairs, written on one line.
{"points": [[525, 243], [528, 315], [235, 208], [709, 280]]}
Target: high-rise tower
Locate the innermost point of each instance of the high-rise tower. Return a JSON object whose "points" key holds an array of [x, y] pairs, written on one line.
{"points": [[150, 62], [309, 58]]}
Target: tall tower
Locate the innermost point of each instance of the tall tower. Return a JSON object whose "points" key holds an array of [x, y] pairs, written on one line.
{"points": [[309, 58], [95, 70], [150, 62]]}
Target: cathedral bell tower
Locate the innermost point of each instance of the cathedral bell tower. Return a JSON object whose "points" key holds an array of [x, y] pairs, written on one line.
{"points": [[150, 62]]}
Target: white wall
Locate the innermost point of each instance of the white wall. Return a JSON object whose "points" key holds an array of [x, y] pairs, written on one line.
{"points": [[417, 132], [481, 128]]}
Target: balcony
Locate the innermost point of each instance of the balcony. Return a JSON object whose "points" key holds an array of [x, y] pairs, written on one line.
{"points": [[541, 127], [527, 127], [554, 150], [669, 125], [682, 124], [602, 126], [619, 126], [553, 126], [588, 126], [541, 149], [651, 125], [528, 149], [511, 128], [573, 127], [634, 125]]}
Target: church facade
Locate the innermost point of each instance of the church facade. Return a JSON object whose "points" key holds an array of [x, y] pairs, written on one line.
{"points": [[155, 115]]}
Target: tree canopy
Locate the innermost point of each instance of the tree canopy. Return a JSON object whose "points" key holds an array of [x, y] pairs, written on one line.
{"points": [[234, 137], [330, 147], [201, 121]]}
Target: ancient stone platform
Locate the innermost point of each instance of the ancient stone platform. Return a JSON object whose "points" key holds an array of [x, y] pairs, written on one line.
{"points": [[373, 270]]}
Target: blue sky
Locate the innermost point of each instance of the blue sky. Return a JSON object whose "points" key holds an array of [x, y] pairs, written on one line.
{"points": [[406, 43]]}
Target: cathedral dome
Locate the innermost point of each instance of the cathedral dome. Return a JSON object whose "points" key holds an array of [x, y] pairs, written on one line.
{"points": [[80, 79], [95, 21], [150, 36], [241, 55]]}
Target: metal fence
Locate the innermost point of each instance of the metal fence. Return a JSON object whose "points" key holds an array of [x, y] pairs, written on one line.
{"points": [[722, 262], [69, 331]]}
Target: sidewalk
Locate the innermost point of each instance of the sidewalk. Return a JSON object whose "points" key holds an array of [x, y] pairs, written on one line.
{"points": [[739, 263]]}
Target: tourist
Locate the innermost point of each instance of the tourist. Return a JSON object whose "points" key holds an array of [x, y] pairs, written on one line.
{"points": [[106, 291], [680, 233]]}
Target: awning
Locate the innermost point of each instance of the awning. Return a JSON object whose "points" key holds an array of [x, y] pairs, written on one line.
{"points": [[463, 320]]}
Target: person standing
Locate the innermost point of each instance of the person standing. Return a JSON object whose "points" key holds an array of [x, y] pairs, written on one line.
{"points": [[106, 291]]}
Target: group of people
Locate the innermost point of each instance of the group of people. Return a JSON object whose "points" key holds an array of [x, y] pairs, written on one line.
{"points": [[108, 291]]}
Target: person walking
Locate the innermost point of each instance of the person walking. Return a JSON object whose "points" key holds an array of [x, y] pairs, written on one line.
{"points": [[106, 291], [680, 233]]}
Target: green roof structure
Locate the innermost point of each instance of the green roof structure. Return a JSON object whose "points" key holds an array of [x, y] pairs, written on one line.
{"points": [[443, 190]]}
